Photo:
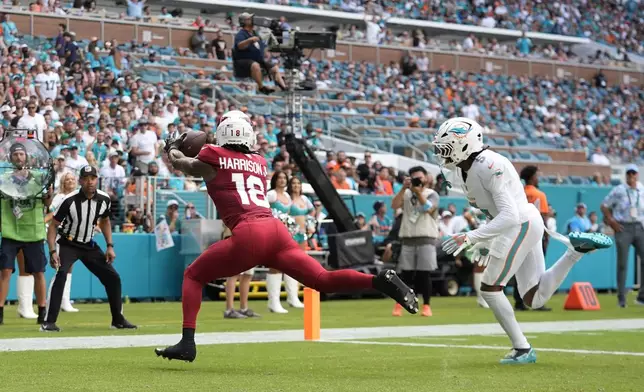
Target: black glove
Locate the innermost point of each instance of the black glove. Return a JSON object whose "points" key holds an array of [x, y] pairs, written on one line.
{"points": [[174, 143]]}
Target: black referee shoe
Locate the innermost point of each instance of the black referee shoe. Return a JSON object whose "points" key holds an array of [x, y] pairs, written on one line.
{"points": [[388, 282], [49, 327], [123, 324], [182, 351]]}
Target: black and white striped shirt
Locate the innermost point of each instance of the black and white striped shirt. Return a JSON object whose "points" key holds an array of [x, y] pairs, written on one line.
{"points": [[78, 215]]}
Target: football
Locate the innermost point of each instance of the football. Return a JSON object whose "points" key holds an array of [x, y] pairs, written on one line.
{"points": [[193, 143]]}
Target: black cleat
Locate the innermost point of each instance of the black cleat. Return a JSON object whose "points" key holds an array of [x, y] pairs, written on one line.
{"points": [[182, 351], [123, 324], [388, 282], [521, 307], [49, 327]]}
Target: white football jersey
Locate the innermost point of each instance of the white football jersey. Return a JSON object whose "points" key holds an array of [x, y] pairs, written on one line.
{"points": [[48, 85], [493, 185]]}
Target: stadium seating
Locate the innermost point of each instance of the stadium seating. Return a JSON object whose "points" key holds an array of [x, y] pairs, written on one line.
{"points": [[580, 19]]}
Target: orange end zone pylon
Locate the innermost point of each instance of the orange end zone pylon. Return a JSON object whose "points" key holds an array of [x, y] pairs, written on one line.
{"points": [[311, 314], [582, 297]]}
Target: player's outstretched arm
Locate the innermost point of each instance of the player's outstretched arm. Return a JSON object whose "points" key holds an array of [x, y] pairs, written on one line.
{"points": [[191, 166]]}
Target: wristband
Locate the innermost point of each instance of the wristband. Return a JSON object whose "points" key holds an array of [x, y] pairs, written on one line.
{"points": [[427, 206], [109, 245], [51, 252]]}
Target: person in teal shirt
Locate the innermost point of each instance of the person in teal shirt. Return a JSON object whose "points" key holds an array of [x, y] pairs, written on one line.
{"points": [[380, 223], [524, 45], [99, 148]]}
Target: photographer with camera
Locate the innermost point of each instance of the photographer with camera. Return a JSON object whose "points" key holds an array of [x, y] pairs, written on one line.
{"points": [[248, 56], [418, 233]]}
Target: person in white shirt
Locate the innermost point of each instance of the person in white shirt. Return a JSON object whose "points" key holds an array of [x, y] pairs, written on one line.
{"points": [[510, 243], [488, 21], [75, 162], [373, 31], [422, 63], [598, 158], [113, 175], [144, 145], [60, 170], [33, 121], [459, 224], [444, 224], [471, 110], [66, 185], [47, 83]]}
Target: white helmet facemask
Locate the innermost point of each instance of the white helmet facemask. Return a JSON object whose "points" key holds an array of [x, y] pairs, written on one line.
{"points": [[236, 131], [456, 140]]}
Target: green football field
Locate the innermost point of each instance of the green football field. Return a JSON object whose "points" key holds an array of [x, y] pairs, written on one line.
{"points": [[363, 348]]}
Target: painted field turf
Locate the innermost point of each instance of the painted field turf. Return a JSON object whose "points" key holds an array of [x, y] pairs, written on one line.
{"points": [[463, 362]]}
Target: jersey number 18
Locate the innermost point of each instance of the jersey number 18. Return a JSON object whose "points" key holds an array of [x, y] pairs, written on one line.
{"points": [[250, 190]]}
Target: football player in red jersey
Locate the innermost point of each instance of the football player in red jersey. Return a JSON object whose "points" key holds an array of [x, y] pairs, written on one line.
{"points": [[235, 177]]}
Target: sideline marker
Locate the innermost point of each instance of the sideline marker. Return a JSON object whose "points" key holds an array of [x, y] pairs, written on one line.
{"points": [[582, 297], [311, 314]]}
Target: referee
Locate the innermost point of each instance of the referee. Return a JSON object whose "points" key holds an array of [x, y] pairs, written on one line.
{"points": [[73, 224]]}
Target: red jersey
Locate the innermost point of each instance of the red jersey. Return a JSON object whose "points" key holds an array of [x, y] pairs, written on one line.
{"points": [[239, 188]]}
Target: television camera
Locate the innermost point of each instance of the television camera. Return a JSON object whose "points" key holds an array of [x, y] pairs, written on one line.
{"points": [[291, 44]]}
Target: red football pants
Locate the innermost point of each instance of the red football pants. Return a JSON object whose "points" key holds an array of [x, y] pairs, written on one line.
{"points": [[264, 241]]}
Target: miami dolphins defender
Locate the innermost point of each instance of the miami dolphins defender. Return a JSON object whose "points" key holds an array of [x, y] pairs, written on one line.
{"points": [[510, 243]]}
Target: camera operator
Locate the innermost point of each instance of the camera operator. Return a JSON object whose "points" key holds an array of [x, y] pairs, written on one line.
{"points": [[248, 56], [418, 233], [23, 230]]}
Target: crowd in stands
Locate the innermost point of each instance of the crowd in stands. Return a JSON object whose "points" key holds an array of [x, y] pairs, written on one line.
{"points": [[94, 109], [613, 22], [376, 32]]}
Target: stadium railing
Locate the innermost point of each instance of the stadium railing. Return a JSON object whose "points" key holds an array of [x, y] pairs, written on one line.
{"points": [[161, 35]]}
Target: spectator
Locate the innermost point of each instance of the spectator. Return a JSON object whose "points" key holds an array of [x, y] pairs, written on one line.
{"points": [[598, 157], [219, 47], [198, 42], [383, 183], [172, 217], [143, 145], [580, 222], [71, 51], [33, 121], [380, 223], [524, 45], [339, 179], [445, 226], [594, 223], [135, 8]]}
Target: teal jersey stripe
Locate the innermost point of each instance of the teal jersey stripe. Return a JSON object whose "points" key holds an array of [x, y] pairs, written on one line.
{"points": [[513, 252]]}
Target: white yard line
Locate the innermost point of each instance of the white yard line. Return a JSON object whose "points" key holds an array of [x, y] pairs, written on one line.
{"points": [[480, 347], [51, 342]]}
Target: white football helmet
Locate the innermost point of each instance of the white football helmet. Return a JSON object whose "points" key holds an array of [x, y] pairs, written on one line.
{"points": [[235, 114], [236, 131], [457, 139]]}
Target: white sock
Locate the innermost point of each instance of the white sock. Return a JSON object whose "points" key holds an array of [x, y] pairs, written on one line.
{"points": [[504, 314], [553, 277]]}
